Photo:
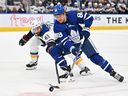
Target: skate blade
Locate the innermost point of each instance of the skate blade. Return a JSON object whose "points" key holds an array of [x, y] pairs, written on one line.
{"points": [[86, 74], [32, 68], [63, 80], [55, 86]]}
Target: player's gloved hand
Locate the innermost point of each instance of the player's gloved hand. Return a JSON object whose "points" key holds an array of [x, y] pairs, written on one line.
{"points": [[86, 32], [75, 51], [50, 45], [23, 40]]}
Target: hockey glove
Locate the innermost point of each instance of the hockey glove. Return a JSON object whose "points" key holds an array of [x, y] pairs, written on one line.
{"points": [[86, 32], [75, 51], [23, 40], [50, 45]]}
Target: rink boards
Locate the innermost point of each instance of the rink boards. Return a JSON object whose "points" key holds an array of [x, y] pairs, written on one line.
{"points": [[21, 22]]}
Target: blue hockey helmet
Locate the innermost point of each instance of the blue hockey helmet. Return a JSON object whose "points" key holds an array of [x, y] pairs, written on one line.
{"points": [[58, 9]]}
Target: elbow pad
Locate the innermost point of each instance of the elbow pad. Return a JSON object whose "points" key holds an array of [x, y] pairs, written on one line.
{"points": [[86, 32], [89, 21]]}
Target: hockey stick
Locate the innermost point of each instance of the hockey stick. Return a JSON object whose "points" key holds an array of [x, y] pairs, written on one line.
{"points": [[51, 88], [57, 73], [74, 60]]}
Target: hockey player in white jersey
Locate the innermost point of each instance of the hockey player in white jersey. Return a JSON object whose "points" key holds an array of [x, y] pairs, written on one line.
{"points": [[38, 31], [42, 36]]}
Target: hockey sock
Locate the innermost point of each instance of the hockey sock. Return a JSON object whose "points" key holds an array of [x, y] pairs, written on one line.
{"points": [[34, 56], [61, 62], [104, 64], [80, 63], [59, 59]]}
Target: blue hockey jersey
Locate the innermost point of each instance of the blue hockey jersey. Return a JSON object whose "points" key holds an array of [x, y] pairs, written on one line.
{"points": [[71, 32]]}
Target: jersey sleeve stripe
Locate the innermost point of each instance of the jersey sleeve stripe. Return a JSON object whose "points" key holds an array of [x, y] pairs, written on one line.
{"points": [[85, 15], [88, 17], [64, 39]]}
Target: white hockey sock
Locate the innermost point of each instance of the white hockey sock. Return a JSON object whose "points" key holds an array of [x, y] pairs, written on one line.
{"points": [[34, 58], [80, 63]]}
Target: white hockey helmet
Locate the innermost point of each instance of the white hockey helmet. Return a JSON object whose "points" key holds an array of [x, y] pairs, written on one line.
{"points": [[35, 24]]}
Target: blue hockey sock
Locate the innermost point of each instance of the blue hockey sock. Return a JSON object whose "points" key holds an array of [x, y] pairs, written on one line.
{"points": [[59, 59], [61, 62], [104, 64]]}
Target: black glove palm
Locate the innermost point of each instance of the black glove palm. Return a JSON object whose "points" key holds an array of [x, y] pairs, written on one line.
{"points": [[22, 42]]}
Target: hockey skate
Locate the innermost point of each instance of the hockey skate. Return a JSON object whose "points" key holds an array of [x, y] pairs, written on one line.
{"points": [[31, 65], [117, 76], [85, 71], [66, 74]]}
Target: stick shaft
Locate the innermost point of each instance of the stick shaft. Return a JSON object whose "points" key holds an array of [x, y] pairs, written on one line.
{"points": [[57, 73]]}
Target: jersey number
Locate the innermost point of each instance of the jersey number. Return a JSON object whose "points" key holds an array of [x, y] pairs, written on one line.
{"points": [[47, 37], [80, 15]]}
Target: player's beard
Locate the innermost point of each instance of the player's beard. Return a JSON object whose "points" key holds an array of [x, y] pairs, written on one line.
{"points": [[37, 31]]}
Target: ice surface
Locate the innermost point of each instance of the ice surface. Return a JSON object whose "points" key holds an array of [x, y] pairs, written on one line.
{"points": [[16, 81]]}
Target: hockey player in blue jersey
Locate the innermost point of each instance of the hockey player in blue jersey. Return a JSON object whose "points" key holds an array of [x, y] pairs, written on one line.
{"points": [[43, 35], [69, 30]]}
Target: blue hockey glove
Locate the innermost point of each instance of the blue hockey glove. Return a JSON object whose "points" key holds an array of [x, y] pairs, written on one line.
{"points": [[75, 51]]}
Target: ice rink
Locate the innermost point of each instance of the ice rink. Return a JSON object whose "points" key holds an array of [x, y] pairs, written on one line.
{"points": [[15, 80]]}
